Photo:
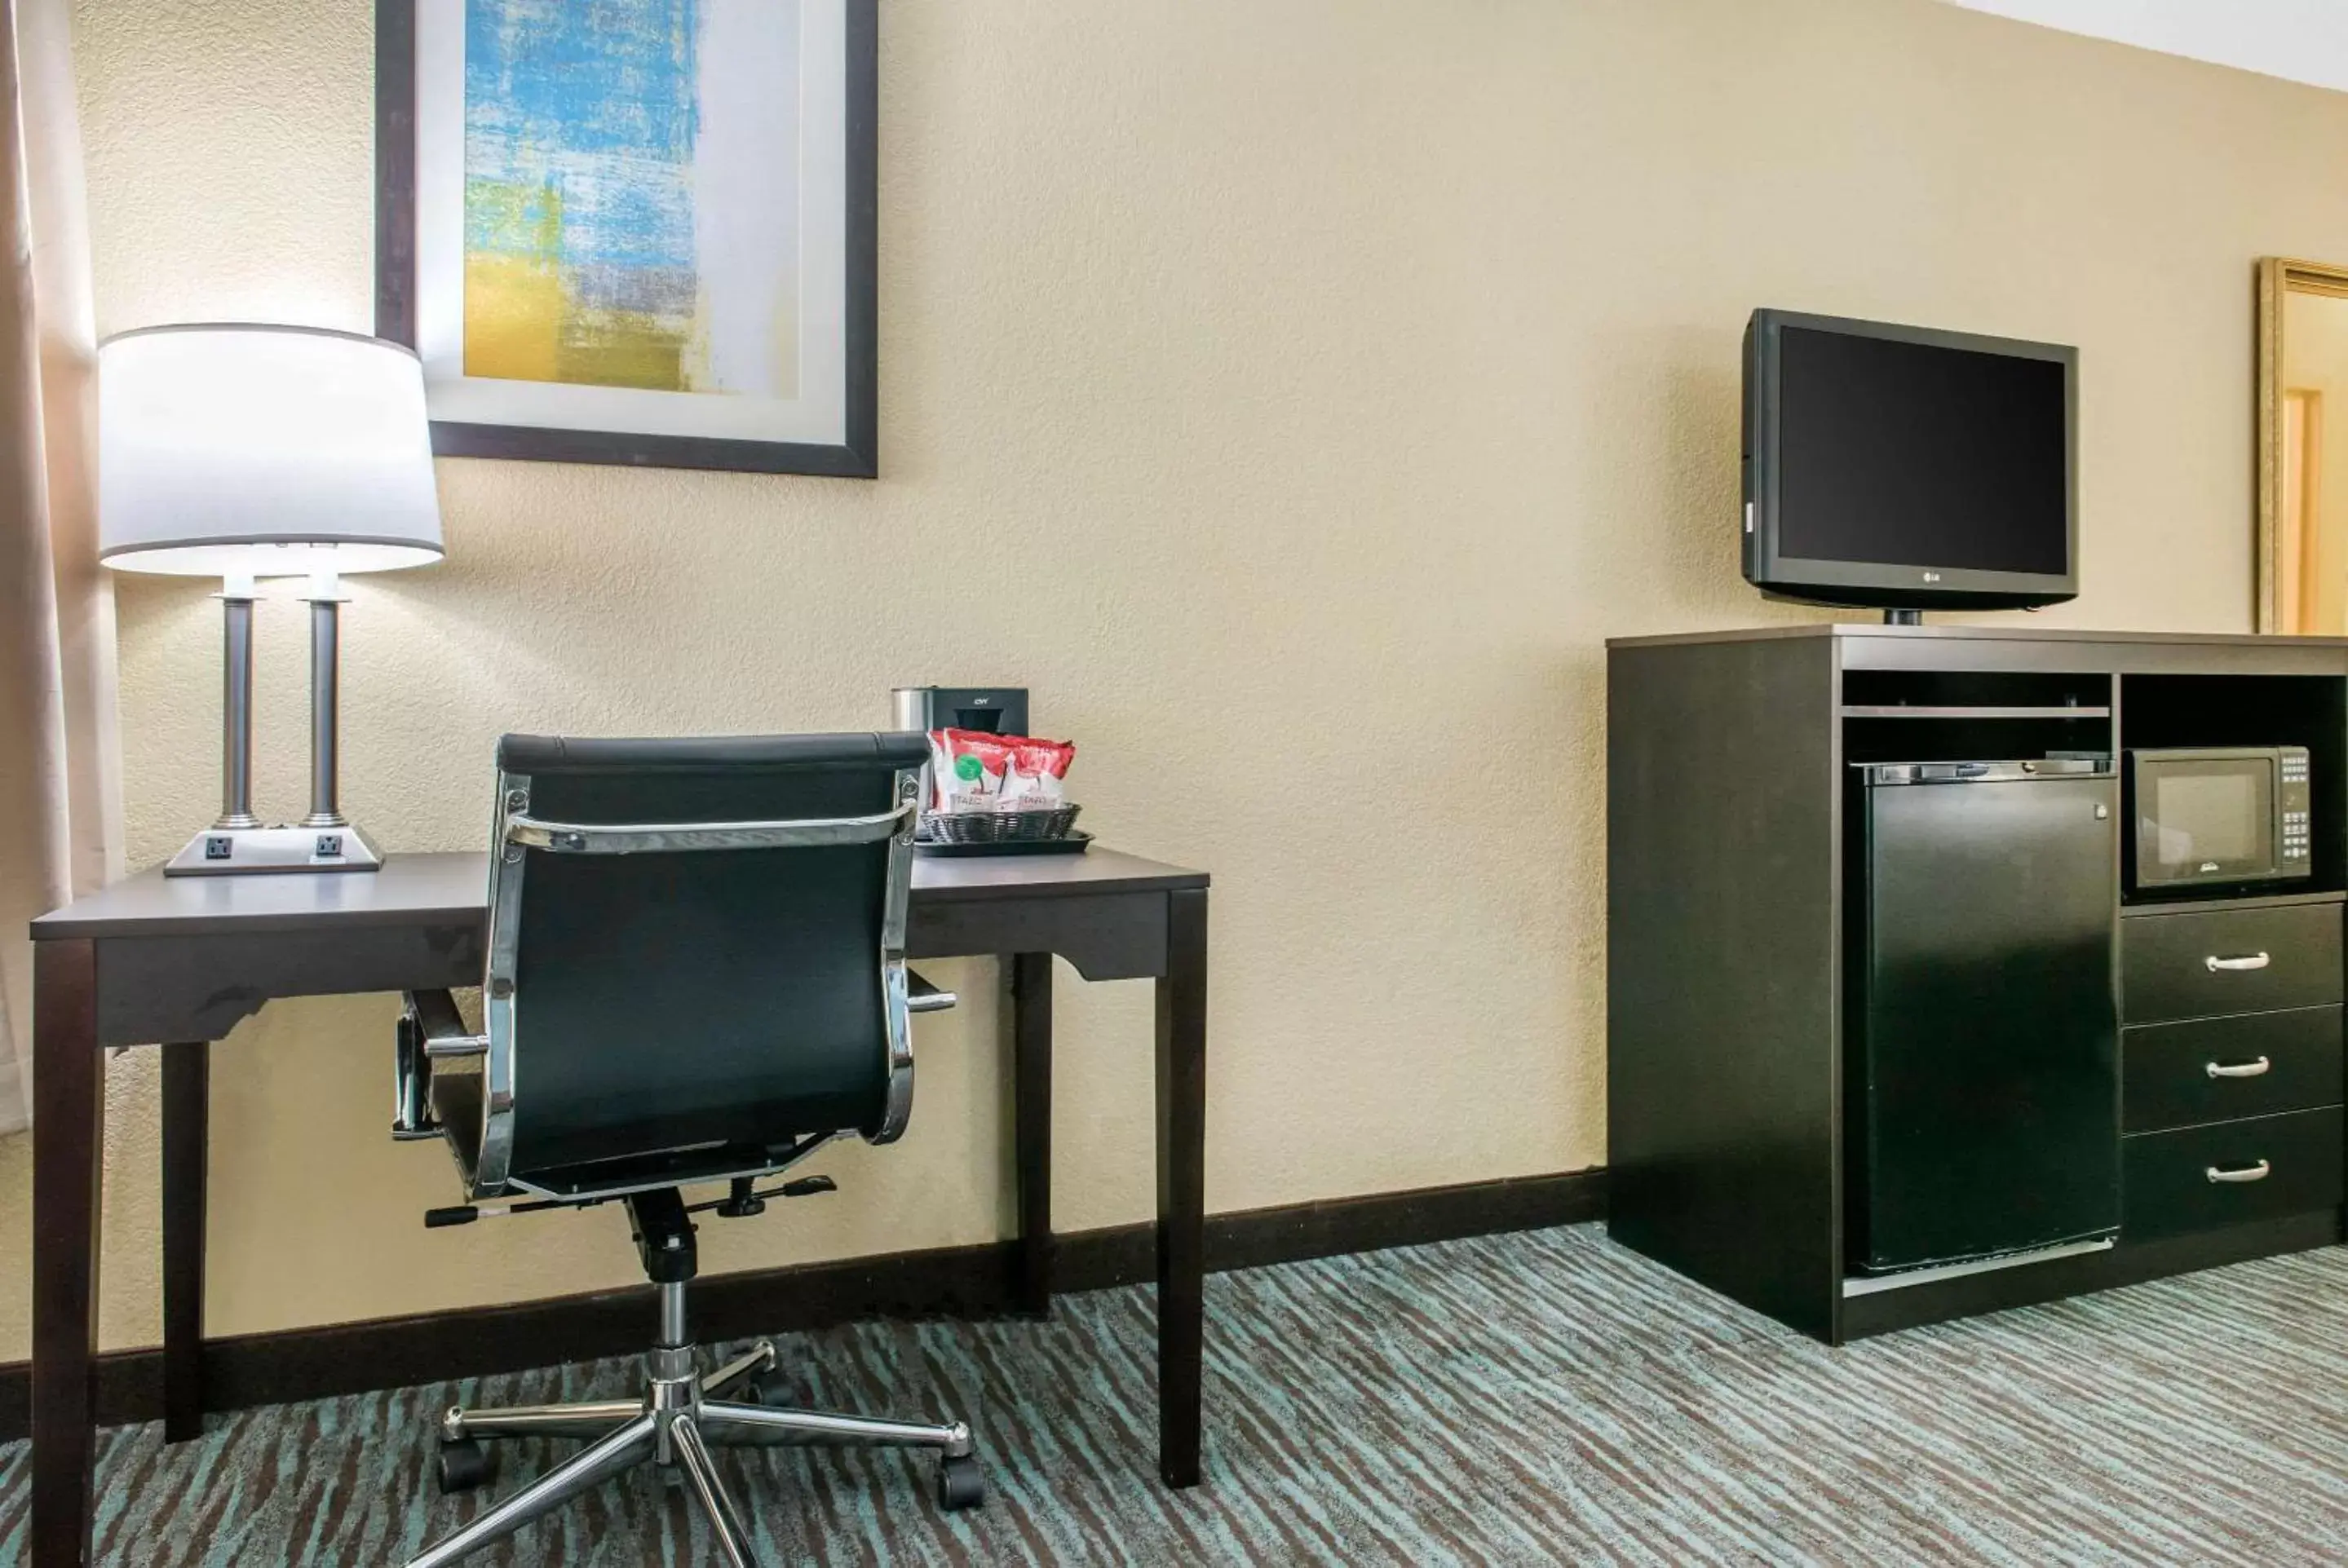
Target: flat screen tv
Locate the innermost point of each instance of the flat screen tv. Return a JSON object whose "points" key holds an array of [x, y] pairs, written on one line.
{"points": [[1903, 469]]}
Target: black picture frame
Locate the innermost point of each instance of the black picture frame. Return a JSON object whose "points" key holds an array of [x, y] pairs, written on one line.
{"points": [[858, 458]]}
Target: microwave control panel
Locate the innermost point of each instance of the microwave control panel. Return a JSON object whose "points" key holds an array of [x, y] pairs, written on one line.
{"points": [[2293, 805]]}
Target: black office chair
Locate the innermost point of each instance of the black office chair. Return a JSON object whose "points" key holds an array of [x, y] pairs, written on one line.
{"points": [[710, 935]]}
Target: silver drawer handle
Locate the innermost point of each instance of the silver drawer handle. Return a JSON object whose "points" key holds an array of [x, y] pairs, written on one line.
{"points": [[2257, 1172], [2257, 1069], [2246, 961]]}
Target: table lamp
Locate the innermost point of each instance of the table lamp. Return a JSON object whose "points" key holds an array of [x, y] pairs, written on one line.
{"points": [[245, 451]]}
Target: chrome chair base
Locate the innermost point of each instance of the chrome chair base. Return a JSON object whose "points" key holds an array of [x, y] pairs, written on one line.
{"points": [[681, 1416]]}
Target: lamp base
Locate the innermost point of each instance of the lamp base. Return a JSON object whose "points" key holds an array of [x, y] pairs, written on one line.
{"points": [[238, 851]]}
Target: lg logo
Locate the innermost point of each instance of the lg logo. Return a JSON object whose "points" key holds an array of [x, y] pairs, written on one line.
{"points": [[1931, 577]]}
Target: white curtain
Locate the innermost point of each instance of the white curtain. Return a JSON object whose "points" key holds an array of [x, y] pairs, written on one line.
{"points": [[60, 799]]}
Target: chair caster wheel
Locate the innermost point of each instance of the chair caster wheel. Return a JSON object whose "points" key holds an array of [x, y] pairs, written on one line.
{"points": [[960, 1484], [464, 1465]]}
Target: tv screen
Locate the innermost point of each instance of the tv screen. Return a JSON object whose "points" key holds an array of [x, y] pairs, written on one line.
{"points": [[1902, 467]]}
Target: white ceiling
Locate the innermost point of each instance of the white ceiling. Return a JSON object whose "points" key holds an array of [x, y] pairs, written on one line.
{"points": [[2302, 40]]}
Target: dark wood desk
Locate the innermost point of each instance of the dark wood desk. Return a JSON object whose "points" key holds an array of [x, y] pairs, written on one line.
{"points": [[181, 961]]}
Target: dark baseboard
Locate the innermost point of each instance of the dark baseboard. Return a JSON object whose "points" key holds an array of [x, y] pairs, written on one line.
{"points": [[962, 1281]]}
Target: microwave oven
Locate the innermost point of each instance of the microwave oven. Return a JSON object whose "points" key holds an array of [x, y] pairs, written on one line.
{"points": [[2219, 814]]}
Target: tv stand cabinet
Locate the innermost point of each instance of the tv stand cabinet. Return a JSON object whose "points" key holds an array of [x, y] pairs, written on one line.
{"points": [[1726, 756]]}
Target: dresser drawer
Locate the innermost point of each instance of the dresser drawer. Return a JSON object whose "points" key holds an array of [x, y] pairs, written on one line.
{"points": [[2222, 1069], [2167, 1187], [2222, 961]]}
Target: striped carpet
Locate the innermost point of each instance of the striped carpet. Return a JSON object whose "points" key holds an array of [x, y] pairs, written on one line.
{"points": [[1539, 1398]]}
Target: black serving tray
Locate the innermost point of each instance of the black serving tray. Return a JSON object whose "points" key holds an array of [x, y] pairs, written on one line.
{"points": [[1073, 843]]}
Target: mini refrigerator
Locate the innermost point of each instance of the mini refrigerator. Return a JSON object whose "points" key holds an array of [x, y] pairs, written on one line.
{"points": [[1981, 1057]]}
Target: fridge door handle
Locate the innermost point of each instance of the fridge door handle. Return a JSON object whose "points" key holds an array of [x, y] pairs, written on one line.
{"points": [[2245, 961], [2257, 1172], [2257, 1069]]}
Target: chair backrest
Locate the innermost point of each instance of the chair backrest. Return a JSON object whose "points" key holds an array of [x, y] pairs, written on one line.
{"points": [[696, 954]]}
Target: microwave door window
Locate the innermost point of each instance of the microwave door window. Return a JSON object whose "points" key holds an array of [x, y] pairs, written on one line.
{"points": [[2211, 817]]}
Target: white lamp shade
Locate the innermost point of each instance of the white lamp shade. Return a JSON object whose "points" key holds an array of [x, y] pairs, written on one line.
{"points": [[237, 450]]}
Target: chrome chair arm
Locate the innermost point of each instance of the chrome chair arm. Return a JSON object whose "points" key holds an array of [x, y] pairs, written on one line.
{"points": [[431, 1030], [444, 1033], [922, 997]]}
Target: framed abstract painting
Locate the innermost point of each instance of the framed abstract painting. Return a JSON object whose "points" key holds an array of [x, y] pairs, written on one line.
{"points": [[633, 231]]}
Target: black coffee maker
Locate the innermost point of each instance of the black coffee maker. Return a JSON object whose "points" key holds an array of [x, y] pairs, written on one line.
{"points": [[996, 710]]}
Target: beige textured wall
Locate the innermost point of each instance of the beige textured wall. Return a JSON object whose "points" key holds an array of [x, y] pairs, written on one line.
{"points": [[1294, 393]]}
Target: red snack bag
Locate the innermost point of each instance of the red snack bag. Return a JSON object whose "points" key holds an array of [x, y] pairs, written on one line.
{"points": [[1034, 780], [969, 765]]}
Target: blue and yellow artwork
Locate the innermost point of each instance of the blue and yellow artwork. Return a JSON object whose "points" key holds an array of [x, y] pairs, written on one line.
{"points": [[629, 190]]}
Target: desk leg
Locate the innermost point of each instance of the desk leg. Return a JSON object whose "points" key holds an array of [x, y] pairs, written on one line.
{"points": [[68, 1127], [1031, 1117], [1182, 1185], [187, 1112]]}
